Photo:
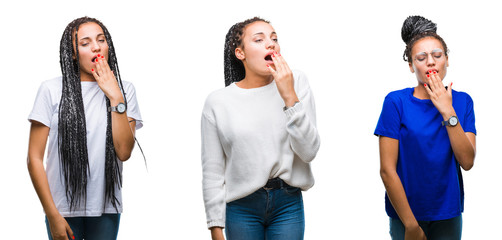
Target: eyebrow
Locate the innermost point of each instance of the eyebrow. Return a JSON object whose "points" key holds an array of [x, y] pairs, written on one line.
{"points": [[85, 38], [433, 51], [261, 33]]}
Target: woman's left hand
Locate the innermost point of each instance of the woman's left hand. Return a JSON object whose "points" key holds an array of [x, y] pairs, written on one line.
{"points": [[106, 79], [440, 96], [283, 79]]}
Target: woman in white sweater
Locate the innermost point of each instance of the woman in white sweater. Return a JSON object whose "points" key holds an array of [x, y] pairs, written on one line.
{"points": [[259, 136]]}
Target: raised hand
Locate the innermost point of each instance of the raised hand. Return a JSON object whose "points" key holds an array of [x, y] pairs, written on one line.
{"points": [[283, 79], [440, 97], [106, 79]]}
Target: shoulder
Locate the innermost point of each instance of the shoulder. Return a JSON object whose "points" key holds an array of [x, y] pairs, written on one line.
{"points": [[128, 86], [219, 96], [399, 95], [301, 80], [53, 84], [461, 95]]}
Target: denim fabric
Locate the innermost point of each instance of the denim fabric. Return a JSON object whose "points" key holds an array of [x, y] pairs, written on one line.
{"points": [[105, 227], [449, 229], [269, 214]]}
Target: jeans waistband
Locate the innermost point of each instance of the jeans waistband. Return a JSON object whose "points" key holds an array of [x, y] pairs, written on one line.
{"points": [[275, 183]]}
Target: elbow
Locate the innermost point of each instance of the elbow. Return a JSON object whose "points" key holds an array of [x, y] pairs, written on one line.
{"points": [[386, 175], [468, 166], [123, 155]]}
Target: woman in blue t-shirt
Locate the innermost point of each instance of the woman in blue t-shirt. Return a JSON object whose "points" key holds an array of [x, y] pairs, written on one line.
{"points": [[426, 134]]}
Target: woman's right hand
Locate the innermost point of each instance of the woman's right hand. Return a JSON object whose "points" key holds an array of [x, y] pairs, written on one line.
{"points": [[60, 230], [217, 233], [414, 233]]}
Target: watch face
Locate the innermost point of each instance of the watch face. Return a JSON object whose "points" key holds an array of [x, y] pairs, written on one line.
{"points": [[453, 121], [121, 108]]}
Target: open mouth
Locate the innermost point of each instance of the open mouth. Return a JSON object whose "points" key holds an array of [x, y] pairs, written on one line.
{"points": [[433, 70], [268, 57], [94, 59]]}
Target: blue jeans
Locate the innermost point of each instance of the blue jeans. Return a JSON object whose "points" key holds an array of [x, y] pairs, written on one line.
{"points": [[275, 214], [105, 227], [449, 229]]}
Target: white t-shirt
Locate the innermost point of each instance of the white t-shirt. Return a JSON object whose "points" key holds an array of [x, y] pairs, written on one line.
{"points": [[46, 111], [247, 139]]}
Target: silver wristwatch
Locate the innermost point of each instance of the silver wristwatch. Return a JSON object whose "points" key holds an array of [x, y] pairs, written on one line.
{"points": [[452, 121], [120, 108]]}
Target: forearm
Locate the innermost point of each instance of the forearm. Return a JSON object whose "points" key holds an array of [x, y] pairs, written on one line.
{"points": [[397, 197], [303, 135], [41, 185], [122, 132], [463, 147], [217, 233]]}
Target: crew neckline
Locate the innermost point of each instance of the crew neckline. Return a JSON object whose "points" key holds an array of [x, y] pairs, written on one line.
{"points": [[253, 90]]}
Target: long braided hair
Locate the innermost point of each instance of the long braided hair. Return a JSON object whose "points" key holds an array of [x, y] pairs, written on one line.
{"points": [[233, 67], [72, 133], [415, 28]]}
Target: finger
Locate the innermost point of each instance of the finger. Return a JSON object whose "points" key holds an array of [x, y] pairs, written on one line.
{"points": [[450, 88], [272, 71], [438, 82], [277, 62], [95, 74], [431, 82], [428, 90], [284, 63], [69, 231]]}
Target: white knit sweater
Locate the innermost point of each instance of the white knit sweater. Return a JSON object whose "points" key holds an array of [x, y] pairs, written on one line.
{"points": [[247, 139]]}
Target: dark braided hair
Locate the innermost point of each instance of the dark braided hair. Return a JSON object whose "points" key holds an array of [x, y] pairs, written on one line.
{"points": [[233, 67], [72, 133], [415, 28]]}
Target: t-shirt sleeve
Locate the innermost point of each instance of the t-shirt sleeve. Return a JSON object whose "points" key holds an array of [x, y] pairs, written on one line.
{"points": [[390, 120], [132, 105], [469, 119], [42, 108]]}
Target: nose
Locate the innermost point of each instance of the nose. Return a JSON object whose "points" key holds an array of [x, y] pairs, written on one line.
{"points": [[270, 44], [430, 60], [95, 47]]}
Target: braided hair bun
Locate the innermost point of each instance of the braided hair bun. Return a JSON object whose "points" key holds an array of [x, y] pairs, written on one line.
{"points": [[414, 25], [415, 28]]}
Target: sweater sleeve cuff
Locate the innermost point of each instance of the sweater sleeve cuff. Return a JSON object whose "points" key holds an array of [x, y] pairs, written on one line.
{"points": [[290, 112], [216, 223]]}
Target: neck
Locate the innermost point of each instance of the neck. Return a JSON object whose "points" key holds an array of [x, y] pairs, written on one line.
{"points": [[420, 92], [86, 77], [254, 80]]}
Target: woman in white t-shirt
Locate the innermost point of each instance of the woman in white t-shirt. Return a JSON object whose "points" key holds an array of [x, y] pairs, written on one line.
{"points": [[89, 116], [259, 136]]}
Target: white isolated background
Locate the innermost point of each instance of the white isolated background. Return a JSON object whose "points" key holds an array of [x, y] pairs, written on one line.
{"points": [[173, 53]]}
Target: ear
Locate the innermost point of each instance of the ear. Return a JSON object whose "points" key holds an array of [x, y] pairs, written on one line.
{"points": [[447, 63], [239, 53], [412, 70]]}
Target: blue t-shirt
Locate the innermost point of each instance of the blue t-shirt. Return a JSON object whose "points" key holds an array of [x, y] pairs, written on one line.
{"points": [[426, 165]]}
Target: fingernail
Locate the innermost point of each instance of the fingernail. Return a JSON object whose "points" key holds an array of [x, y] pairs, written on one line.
{"points": [[425, 84], [102, 56], [435, 72], [451, 84], [99, 55], [73, 237], [92, 69], [430, 71], [427, 75], [97, 59], [268, 65]]}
